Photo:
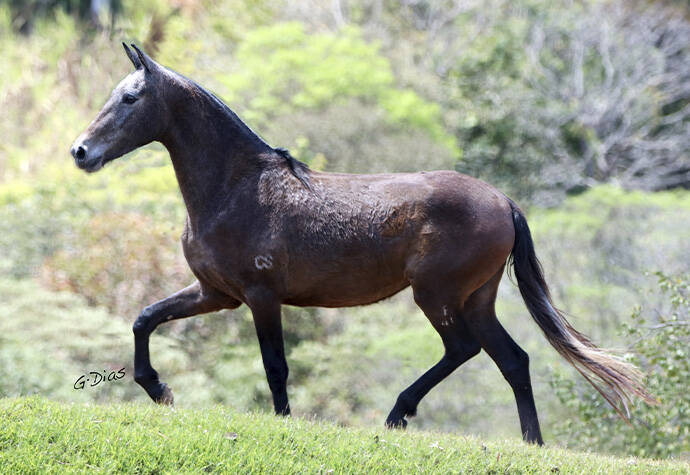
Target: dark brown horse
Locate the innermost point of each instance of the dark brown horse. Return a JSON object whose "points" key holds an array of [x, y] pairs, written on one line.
{"points": [[264, 230]]}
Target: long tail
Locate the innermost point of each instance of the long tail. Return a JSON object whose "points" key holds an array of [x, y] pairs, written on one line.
{"points": [[616, 380]]}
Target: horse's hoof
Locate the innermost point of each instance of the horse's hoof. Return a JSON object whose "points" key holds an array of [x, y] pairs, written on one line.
{"points": [[396, 423], [166, 398]]}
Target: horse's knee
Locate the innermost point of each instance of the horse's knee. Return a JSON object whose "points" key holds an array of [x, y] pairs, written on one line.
{"points": [[141, 325], [139, 328]]}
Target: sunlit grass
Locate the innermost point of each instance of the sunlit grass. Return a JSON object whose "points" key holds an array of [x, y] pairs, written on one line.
{"points": [[38, 435]]}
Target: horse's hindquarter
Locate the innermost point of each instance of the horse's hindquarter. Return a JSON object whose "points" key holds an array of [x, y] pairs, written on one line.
{"points": [[467, 236], [355, 239]]}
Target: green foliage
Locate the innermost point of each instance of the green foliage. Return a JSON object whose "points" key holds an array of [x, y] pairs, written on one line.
{"points": [[53, 438], [556, 96], [357, 137], [660, 343], [281, 69], [537, 97], [490, 93], [282, 65], [599, 244], [24, 244]]}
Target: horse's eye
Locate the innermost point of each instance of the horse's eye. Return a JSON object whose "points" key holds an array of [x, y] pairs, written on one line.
{"points": [[129, 98]]}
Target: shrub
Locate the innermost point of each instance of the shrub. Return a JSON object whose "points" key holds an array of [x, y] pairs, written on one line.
{"points": [[123, 261], [660, 347]]}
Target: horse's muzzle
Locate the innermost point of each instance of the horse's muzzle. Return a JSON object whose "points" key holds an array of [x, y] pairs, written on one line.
{"points": [[79, 153], [83, 160]]}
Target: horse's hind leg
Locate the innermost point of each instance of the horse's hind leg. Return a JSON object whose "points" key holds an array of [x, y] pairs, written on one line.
{"points": [[459, 345], [510, 359]]}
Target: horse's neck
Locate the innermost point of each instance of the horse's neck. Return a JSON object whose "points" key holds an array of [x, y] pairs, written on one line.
{"points": [[211, 151]]}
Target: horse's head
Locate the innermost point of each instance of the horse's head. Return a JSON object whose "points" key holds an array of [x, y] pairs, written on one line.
{"points": [[134, 115]]}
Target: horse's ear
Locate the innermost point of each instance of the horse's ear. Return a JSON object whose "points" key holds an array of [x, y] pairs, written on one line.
{"points": [[132, 56], [148, 64]]}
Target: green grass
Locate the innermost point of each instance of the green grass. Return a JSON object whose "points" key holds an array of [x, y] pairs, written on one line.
{"points": [[38, 435]]}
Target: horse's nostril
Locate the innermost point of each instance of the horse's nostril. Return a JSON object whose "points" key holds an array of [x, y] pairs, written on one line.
{"points": [[80, 154]]}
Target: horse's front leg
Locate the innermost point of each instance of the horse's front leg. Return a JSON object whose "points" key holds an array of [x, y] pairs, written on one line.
{"points": [[189, 301], [267, 320]]}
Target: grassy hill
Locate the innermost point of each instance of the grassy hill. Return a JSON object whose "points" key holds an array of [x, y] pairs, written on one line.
{"points": [[38, 435]]}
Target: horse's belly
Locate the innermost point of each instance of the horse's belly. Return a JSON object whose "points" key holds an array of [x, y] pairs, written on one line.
{"points": [[354, 281], [332, 294]]}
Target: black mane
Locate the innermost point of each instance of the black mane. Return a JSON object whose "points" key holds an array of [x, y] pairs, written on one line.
{"points": [[220, 105], [299, 169]]}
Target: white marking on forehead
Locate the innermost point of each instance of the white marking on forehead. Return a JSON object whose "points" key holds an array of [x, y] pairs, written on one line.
{"points": [[132, 82], [263, 262]]}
